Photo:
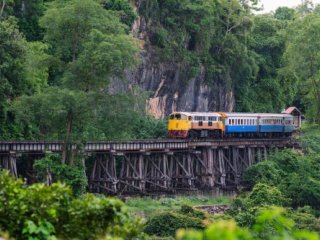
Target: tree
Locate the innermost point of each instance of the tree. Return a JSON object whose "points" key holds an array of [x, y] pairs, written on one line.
{"points": [[285, 14], [89, 45], [28, 13], [303, 60], [67, 26], [12, 83], [5, 8], [268, 42]]}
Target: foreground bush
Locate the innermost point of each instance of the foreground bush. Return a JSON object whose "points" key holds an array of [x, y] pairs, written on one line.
{"points": [[296, 176], [41, 212], [167, 223], [270, 224], [245, 209]]}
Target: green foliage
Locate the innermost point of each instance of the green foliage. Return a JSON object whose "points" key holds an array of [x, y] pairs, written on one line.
{"points": [[28, 13], [149, 206], [245, 209], [285, 14], [72, 175], [190, 211], [36, 67], [103, 56], [166, 224], [296, 176], [302, 59], [310, 139], [41, 212], [68, 24], [124, 8], [305, 219], [149, 128], [267, 41], [39, 116], [265, 171], [263, 195], [12, 84], [270, 224]]}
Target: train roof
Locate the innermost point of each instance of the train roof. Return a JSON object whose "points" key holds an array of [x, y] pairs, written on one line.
{"points": [[234, 114], [206, 114], [279, 115]]}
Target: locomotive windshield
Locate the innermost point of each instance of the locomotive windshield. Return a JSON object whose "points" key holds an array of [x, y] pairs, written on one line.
{"points": [[178, 116]]}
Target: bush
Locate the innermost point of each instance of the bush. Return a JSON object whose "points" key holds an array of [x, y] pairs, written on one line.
{"points": [[245, 209], [73, 175], [265, 171], [264, 195], [305, 219], [41, 212], [270, 224], [302, 190], [166, 224], [190, 211]]}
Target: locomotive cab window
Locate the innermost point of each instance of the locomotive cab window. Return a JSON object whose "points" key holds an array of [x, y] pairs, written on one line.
{"points": [[171, 116], [178, 116], [183, 117]]}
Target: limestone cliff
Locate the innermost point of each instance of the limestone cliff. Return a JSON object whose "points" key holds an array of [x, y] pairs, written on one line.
{"points": [[169, 85]]}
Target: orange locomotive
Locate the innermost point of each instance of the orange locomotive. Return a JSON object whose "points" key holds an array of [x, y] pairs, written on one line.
{"points": [[195, 125]]}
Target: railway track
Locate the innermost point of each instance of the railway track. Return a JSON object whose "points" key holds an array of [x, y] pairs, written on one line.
{"points": [[138, 145]]}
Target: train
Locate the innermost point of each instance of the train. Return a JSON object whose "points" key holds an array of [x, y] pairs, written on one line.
{"points": [[194, 125]]}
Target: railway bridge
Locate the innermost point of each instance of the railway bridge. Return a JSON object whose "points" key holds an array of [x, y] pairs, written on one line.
{"points": [[145, 166]]}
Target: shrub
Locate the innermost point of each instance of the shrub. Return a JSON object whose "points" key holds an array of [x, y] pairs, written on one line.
{"points": [[270, 224], [305, 219], [302, 189], [190, 211], [263, 195], [245, 209], [73, 175], [166, 224], [265, 171], [42, 212]]}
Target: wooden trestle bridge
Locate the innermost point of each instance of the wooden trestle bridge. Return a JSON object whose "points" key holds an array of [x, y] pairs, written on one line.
{"points": [[144, 166]]}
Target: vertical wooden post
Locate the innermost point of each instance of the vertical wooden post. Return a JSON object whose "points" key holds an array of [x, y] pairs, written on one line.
{"points": [[141, 173], [13, 164], [210, 167], [222, 167]]}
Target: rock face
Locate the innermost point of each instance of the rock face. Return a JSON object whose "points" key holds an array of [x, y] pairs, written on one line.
{"points": [[169, 86]]}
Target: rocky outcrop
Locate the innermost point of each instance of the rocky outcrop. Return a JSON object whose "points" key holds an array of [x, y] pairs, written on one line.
{"points": [[169, 85]]}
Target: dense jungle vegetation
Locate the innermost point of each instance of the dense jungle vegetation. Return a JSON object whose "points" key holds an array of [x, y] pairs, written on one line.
{"points": [[282, 202], [57, 58]]}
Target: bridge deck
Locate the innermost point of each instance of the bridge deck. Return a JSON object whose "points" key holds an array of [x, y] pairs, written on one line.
{"points": [[138, 145]]}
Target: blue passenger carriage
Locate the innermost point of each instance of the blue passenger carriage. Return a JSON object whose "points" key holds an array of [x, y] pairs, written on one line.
{"points": [[275, 123], [241, 123], [257, 124]]}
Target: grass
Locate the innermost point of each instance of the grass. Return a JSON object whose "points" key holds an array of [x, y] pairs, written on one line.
{"points": [[146, 206]]}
